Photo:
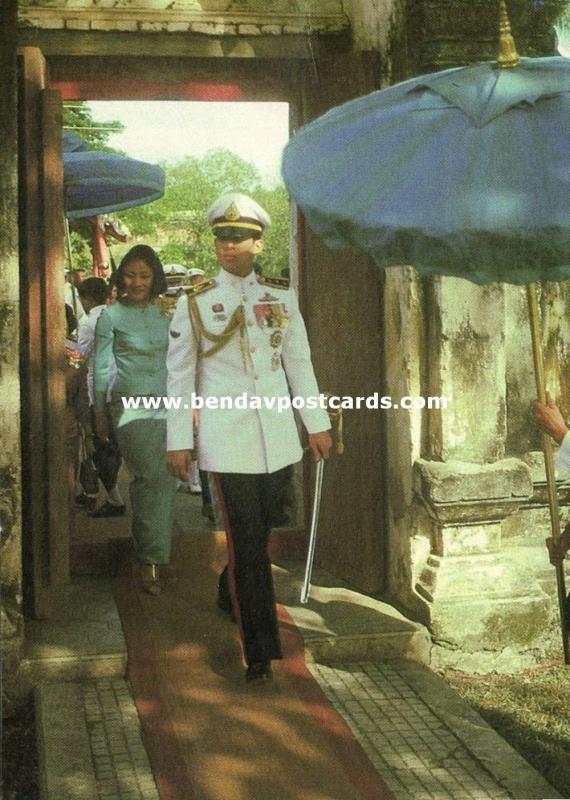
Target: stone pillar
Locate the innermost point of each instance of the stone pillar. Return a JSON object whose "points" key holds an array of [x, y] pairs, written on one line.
{"points": [[403, 326], [466, 365], [486, 601], [11, 624], [449, 564]]}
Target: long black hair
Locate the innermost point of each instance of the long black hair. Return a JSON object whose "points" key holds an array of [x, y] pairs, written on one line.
{"points": [[142, 252]]}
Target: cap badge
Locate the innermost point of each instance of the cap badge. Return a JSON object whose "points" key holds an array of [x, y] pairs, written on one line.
{"points": [[217, 308], [232, 213]]}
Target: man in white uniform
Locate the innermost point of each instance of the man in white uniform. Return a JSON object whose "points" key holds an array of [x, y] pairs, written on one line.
{"points": [[242, 336]]}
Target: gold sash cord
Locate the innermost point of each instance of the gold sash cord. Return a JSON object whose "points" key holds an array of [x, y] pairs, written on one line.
{"points": [[219, 340]]}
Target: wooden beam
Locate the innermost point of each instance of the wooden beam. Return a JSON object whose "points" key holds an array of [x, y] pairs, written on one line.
{"points": [[181, 45], [54, 326], [34, 467]]}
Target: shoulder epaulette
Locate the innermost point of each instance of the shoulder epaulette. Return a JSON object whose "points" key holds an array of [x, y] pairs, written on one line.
{"points": [[192, 291], [166, 303], [274, 283]]}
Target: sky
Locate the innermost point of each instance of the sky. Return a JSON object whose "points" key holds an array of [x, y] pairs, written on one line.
{"points": [[169, 131]]}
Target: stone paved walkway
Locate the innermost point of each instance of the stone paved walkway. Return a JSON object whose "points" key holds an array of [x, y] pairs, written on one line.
{"points": [[420, 736], [417, 754], [93, 749], [91, 743]]}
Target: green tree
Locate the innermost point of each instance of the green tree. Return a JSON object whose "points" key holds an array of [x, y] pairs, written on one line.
{"points": [[78, 119], [176, 224], [80, 253]]}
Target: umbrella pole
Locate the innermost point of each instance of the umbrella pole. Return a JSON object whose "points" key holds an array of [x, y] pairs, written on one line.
{"points": [[536, 335], [70, 258]]}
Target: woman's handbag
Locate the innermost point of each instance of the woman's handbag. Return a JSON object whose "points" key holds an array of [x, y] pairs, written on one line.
{"points": [[87, 472]]}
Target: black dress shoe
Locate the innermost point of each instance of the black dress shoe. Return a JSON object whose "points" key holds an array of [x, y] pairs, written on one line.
{"points": [[225, 605], [258, 671], [107, 510], [85, 501]]}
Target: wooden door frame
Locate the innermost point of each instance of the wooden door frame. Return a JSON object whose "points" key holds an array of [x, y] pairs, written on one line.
{"points": [[214, 79], [45, 541], [249, 80]]}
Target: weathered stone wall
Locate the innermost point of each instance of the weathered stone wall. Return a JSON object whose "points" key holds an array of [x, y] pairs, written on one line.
{"points": [[207, 17], [380, 25], [11, 620], [449, 33]]}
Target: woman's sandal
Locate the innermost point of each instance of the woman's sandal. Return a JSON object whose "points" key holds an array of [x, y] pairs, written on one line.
{"points": [[150, 579]]}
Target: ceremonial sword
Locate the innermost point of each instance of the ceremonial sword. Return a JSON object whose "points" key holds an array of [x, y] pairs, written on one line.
{"points": [[305, 591]]}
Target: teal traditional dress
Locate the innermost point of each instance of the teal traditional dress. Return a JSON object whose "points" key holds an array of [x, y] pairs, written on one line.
{"points": [[136, 338]]}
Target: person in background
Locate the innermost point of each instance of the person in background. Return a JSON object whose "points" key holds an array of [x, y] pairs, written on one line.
{"points": [[77, 418], [104, 271], [113, 291], [94, 293], [549, 419], [133, 334], [176, 276], [243, 333], [196, 276], [73, 279]]}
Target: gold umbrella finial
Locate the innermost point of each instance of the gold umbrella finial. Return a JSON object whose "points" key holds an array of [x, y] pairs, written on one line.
{"points": [[507, 56]]}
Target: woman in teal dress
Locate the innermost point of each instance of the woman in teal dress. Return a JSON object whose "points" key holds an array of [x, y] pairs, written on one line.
{"points": [[134, 333]]}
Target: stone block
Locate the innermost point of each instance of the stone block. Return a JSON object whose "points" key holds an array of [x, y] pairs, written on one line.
{"points": [[535, 460], [152, 27], [484, 625], [458, 481], [296, 29], [271, 30], [209, 28], [215, 5], [249, 30], [471, 539], [126, 25], [52, 24], [489, 601], [152, 5], [177, 27], [111, 24], [28, 22], [80, 24]]}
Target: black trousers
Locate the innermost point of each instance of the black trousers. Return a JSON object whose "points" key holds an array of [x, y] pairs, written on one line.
{"points": [[252, 505], [206, 497]]}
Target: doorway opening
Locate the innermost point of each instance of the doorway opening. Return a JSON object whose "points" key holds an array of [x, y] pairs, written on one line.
{"points": [[330, 300], [205, 149]]}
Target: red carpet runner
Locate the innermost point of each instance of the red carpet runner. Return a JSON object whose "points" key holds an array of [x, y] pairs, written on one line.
{"points": [[211, 736]]}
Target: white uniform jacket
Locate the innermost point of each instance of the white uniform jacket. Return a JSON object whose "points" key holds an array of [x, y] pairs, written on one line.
{"points": [[86, 343], [273, 361], [563, 460]]}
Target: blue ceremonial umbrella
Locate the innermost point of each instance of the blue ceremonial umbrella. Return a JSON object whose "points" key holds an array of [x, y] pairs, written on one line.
{"points": [[463, 172], [98, 183]]}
